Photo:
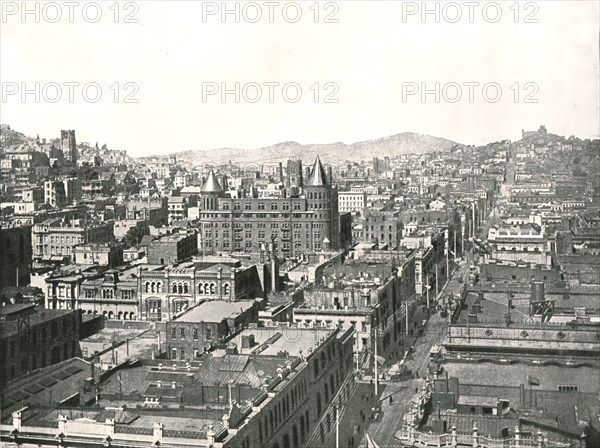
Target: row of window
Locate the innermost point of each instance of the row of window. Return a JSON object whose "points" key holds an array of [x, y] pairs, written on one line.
{"points": [[195, 333], [184, 288], [279, 412]]}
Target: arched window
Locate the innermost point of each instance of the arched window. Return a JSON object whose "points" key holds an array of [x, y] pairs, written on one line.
{"points": [[213, 288], [153, 286], [185, 288], [179, 288], [200, 291], [147, 286], [159, 287], [206, 288], [226, 289], [318, 403], [174, 289]]}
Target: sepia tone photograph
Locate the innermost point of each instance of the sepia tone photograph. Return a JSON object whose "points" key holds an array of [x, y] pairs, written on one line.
{"points": [[309, 224]]}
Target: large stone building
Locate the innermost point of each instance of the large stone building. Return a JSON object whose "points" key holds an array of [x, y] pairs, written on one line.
{"points": [[32, 338], [300, 224]]}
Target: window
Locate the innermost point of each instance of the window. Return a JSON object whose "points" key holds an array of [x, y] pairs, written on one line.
{"points": [[209, 334], [173, 333], [195, 334], [182, 333]]}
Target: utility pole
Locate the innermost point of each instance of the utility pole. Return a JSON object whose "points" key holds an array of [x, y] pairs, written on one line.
{"points": [[376, 371], [337, 427]]}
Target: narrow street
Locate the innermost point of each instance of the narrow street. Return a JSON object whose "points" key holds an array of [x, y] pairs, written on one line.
{"points": [[383, 431]]}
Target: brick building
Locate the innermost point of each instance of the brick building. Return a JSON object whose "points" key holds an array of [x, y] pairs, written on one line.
{"points": [[171, 248], [206, 325]]}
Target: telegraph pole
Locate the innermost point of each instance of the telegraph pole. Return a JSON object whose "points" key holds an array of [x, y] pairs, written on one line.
{"points": [[376, 371]]}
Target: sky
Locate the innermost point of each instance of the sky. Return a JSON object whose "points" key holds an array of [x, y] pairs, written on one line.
{"points": [[156, 77]]}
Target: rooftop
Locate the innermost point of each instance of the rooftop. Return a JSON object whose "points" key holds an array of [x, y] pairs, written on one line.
{"points": [[215, 311]]}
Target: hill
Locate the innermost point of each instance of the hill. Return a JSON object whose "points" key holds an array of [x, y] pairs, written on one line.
{"points": [[405, 143]]}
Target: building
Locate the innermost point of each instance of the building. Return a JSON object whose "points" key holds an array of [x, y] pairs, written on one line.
{"points": [[15, 256], [295, 176], [69, 145], [277, 387], [368, 298], [56, 237], [177, 206], [303, 224], [383, 227], [198, 329], [166, 291], [103, 254], [113, 295], [32, 338], [353, 202], [172, 248], [152, 210]]}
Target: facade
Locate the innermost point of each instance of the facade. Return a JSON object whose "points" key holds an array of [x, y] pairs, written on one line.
{"points": [[305, 224], [177, 208], [56, 237], [33, 338], [353, 202], [172, 248], [383, 226], [209, 323], [166, 291], [103, 254], [152, 210], [15, 256]]}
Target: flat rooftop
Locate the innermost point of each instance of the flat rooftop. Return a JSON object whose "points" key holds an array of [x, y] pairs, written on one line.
{"points": [[216, 311], [281, 339], [550, 377]]}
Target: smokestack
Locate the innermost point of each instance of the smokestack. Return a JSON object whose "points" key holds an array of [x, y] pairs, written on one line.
{"points": [[281, 172], [330, 175]]}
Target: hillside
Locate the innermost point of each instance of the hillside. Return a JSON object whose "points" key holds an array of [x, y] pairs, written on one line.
{"points": [[405, 143]]}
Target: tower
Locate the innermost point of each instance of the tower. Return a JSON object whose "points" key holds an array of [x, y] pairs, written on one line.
{"points": [[321, 198], [211, 191], [69, 145]]}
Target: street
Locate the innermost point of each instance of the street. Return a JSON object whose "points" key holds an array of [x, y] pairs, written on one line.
{"points": [[383, 431]]}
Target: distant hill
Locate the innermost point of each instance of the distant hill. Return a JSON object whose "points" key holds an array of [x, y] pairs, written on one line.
{"points": [[10, 137], [405, 143]]}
